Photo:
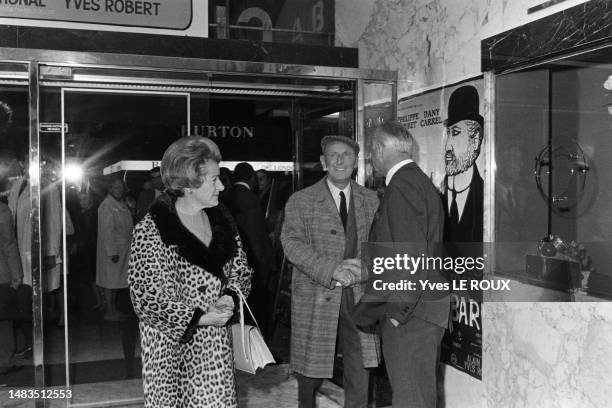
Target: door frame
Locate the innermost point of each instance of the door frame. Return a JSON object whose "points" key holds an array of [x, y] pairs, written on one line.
{"points": [[37, 77]]}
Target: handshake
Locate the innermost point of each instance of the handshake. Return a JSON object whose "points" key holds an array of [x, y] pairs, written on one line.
{"points": [[348, 273]]}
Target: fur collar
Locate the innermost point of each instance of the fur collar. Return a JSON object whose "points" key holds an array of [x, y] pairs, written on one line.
{"points": [[222, 246]]}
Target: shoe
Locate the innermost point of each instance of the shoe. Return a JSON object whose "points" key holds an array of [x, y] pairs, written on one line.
{"points": [[23, 352], [11, 370]]}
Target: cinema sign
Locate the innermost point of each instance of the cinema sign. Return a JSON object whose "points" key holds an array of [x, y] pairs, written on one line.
{"points": [[145, 16]]}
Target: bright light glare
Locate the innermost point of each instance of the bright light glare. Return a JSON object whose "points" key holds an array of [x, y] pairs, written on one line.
{"points": [[73, 173]]}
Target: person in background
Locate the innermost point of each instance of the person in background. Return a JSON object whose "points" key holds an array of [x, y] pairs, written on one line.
{"points": [[11, 273], [19, 204], [152, 189], [51, 210], [84, 261], [128, 323], [324, 227], [268, 193], [186, 266], [51, 244], [113, 246], [127, 319], [264, 184], [225, 175], [130, 201], [244, 206], [11, 276]]}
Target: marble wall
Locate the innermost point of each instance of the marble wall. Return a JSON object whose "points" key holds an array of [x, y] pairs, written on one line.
{"points": [[429, 42], [548, 355]]}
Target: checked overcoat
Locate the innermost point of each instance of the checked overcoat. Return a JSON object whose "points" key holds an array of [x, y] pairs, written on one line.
{"points": [[314, 242]]}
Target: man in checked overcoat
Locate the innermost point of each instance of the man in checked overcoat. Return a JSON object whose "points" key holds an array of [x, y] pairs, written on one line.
{"points": [[324, 227]]}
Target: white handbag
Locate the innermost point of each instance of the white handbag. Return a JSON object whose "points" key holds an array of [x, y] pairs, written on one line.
{"points": [[250, 349]]}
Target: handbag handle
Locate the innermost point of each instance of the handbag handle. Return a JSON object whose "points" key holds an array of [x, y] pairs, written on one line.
{"points": [[243, 301]]}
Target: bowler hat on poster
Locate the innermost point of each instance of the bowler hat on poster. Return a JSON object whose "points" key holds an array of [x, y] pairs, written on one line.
{"points": [[463, 104]]}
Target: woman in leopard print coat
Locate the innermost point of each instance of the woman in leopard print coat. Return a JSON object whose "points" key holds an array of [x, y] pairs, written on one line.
{"points": [[183, 278]]}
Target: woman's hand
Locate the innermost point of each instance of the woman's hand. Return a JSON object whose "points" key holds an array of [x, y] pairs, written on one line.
{"points": [[225, 302], [219, 313]]}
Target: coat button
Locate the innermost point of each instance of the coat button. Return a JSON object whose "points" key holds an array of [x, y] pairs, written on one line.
{"points": [[328, 299], [333, 232]]}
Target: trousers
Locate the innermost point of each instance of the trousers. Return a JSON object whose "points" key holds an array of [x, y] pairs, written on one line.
{"points": [[412, 354], [355, 377]]}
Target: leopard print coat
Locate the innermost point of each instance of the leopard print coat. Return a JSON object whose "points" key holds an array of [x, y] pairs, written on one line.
{"points": [[173, 278]]}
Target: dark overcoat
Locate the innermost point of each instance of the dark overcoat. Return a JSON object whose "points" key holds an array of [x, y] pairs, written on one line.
{"points": [[314, 242], [410, 215]]}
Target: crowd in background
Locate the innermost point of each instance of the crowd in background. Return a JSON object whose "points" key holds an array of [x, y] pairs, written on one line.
{"points": [[99, 221]]}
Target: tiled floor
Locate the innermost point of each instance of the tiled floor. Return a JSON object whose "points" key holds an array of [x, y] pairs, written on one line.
{"points": [[95, 346], [271, 387], [98, 372], [275, 387]]}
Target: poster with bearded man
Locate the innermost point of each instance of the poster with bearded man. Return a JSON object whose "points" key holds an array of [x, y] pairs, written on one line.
{"points": [[449, 130]]}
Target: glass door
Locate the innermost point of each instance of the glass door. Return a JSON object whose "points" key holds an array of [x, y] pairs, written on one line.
{"points": [[18, 255], [105, 133], [96, 148], [74, 132]]}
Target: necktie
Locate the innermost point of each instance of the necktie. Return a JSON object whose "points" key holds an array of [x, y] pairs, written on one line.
{"points": [[343, 210], [454, 210]]}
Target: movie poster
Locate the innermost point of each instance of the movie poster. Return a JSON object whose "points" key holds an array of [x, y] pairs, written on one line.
{"points": [[447, 124]]}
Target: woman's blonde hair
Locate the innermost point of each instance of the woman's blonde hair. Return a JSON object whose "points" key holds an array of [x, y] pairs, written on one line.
{"points": [[183, 160]]}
